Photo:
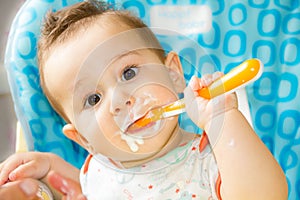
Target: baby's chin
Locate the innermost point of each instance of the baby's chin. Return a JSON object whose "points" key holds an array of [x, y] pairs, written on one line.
{"points": [[128, 159], [142, 145]]}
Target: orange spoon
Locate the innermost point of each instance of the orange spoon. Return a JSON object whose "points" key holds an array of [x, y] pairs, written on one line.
{"points": [[240, 76]]}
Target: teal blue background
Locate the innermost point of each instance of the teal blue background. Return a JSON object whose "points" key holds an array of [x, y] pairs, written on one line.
{"points": [[264, 29]]}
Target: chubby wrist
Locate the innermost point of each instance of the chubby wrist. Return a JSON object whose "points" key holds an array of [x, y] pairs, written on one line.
{"points": [[218, 118], [216, 126]]}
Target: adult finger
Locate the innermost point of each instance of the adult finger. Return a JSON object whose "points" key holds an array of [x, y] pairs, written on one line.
{"points": [[23, 189], [69, 188]]}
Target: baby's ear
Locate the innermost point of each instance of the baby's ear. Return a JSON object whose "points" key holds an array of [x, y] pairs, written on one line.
{"points": [[70, 131], [172, 62]]}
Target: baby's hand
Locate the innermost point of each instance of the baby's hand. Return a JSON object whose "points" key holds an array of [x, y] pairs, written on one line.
{"points": [[24, 165], [201, 110]]}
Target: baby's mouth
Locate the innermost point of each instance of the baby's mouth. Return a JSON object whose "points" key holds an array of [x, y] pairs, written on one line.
{"points": [[133, 128]]}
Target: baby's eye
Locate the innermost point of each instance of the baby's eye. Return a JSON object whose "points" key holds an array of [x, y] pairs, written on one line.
{"points": [[93, 99], [129, 73]]}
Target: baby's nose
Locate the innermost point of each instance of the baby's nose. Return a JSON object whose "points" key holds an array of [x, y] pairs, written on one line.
{"points": [[128, 102], [123, 106]]}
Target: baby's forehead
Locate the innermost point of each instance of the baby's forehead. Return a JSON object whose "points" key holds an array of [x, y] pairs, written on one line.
{"points": [[120, 44]]}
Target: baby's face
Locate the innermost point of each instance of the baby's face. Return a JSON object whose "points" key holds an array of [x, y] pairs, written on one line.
{"points": [[105, 80]]}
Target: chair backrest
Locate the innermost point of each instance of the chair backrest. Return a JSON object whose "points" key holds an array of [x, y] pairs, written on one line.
{"points": [[228, 33]]}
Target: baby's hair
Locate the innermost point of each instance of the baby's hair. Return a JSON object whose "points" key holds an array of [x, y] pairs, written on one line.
{"points": [[64, 24], [59, 25]]}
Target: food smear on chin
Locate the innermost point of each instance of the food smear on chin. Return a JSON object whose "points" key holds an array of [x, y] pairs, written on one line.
{"points": [[132, 142]]}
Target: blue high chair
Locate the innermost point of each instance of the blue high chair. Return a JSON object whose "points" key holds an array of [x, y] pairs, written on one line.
{"points": [[209, 36]]}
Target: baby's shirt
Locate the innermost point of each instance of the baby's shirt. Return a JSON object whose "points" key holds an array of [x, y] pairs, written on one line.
{"points": [[184, 173]]}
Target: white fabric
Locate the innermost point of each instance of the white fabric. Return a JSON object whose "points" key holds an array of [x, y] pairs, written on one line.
{"points": [[184, 173]]}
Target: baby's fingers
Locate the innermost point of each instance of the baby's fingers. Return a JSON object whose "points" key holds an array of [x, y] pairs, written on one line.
{"points": [[22, 165], [195, 84], [27, 170], [208, 79], [16, 173], [193, 87], [4, 176], [217, 75], [8, 166]]}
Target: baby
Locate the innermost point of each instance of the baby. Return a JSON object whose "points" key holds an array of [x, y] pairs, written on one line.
{"points": [[102, 69]]}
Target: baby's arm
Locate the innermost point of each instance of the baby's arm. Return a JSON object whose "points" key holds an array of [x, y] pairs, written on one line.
{"points": [[247, 168]]}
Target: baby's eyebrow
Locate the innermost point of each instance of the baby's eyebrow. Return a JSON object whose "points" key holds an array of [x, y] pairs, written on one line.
{"points": [[78, 83], [127, 53]]}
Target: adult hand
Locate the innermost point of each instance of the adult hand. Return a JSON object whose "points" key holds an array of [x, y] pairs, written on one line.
{"points": [[69, 189], [22, 189]]}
